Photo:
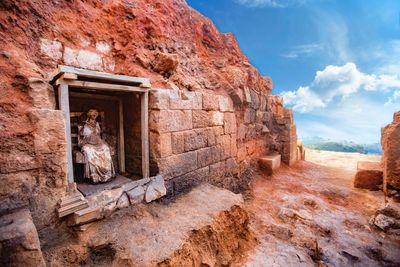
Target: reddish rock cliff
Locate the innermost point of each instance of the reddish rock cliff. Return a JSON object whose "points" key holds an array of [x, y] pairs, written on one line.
{"points": [[166, 41], [391, 152]]}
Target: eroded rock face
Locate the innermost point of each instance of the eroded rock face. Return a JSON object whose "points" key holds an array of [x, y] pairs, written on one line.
{"points": [[19, 242], [391, 152], [216, 121]]}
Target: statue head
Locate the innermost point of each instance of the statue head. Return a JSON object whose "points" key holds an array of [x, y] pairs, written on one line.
{"points": [[92, 114]]}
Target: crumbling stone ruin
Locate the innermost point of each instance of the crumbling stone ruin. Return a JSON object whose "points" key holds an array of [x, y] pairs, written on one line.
{"points": [[178, 102], [391, 153], [388, 217]]}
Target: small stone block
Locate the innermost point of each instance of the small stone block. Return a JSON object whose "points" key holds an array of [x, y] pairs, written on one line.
{"points": [[369, 175], [84, 216], [136, 195], [155, 189], [270, 163]]}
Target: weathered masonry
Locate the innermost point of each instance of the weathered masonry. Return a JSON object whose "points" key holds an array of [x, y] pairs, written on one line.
{"points": [[187, 137], [113, 95]]}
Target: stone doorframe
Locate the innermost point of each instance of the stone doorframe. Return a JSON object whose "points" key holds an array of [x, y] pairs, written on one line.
{"points": [[66, 77]]}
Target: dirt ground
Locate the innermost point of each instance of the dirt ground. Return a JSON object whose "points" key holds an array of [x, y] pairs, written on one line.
{"points": [[305, 215], [310, 214]]}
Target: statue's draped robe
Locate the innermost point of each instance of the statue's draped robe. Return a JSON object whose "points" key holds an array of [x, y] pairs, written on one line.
{"points": [[98, 162]]}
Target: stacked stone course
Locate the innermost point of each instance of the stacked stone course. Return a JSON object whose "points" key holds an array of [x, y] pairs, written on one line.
{"points": [[193, 137], [201, 137]]}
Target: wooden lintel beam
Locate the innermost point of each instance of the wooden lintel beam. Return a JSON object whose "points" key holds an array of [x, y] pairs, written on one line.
{"points": [[101, 86]]}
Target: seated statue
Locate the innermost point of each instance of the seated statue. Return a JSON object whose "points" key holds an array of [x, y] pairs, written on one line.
{"points": [[97, 156]]}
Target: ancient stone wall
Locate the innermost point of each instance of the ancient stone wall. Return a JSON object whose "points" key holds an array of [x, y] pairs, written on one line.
{"points": [[391, 152], [203, 134], [205, 137]]}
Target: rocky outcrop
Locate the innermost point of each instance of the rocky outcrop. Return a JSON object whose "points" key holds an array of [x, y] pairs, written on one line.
{"points": [[19, 242], [391, 152], [369, 175], [214, 119], [165, 234]]}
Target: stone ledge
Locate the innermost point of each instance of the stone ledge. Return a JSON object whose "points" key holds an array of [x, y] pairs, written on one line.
{"points": [[19, 241], [270, 163], [369, 175], [104, 203]]}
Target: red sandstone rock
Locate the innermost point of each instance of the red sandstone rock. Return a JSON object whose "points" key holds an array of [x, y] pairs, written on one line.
{"points": [[369, 175], [391, 152], [166, 41], [19, 242]]}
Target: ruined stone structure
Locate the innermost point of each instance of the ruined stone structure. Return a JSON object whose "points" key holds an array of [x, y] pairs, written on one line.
{"points": [[391, 152], [211, 114]]}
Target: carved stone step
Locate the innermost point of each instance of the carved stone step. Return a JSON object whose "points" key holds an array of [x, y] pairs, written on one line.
{"points": [[270, 163], [369, 175], [71, 203]]}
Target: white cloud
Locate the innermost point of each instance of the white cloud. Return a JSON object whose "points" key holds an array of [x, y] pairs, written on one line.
{"points": [[393, 99], [337, 81], [272, 3], [303, 50], [303, 100], [356, 119]]}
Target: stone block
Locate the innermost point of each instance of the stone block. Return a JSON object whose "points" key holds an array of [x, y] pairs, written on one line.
{"points": [[203, 119], [195, 139], [249, 115], [390, 141], [217, 118], [136, 195], [369, 175], [178, 142], [123, 201], [247, 96], [263, 103], [133, 184], [211, 136], [106, 197], [230, 123], [155, 189], [103, 47], [178, 165], [19, 241], [226, 146], [210, 102], [209, 155], [42, 94], [186, 100], [236, 96], [18, 162], [241, 132], [85, 216], [225, 104], [161, 144], [270, 163], [163, 121], [82, 58], [186, 182], [159, 99], [255, 102], [51, 48], [217, 171]]}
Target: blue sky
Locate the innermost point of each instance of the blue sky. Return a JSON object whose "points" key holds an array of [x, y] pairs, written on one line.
{"points": [[336, 62]]}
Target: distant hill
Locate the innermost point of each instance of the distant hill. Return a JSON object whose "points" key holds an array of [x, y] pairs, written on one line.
{"points": [[319, 143]]}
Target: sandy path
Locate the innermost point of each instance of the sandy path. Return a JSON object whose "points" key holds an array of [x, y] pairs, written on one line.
{"points": [[310, 214]]}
